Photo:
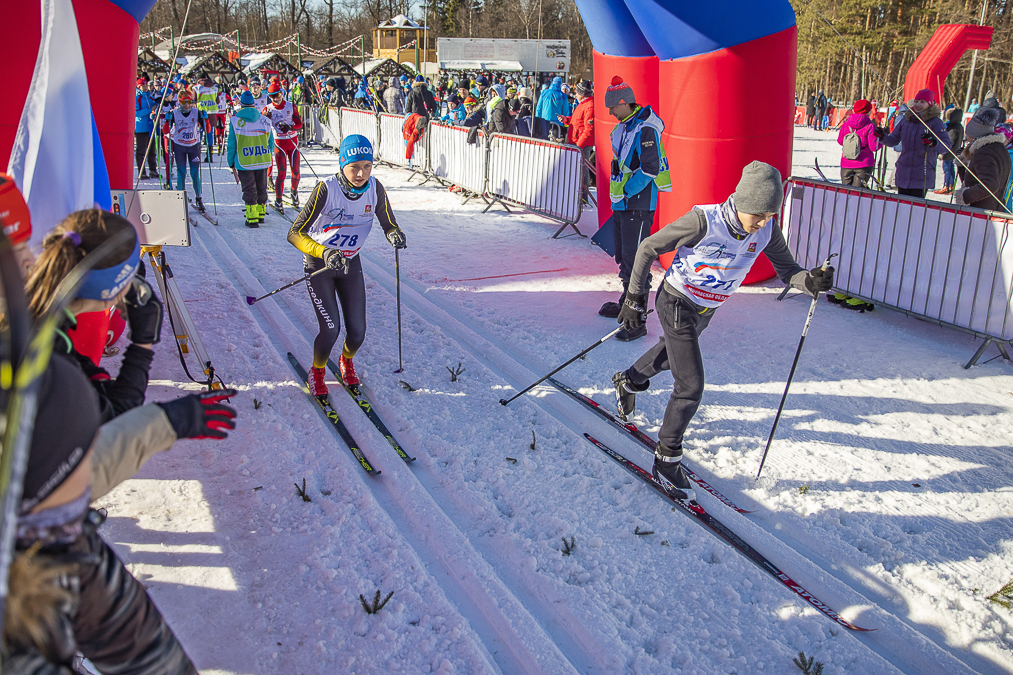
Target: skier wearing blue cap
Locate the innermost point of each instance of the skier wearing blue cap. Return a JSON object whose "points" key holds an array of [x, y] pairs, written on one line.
{"points": [[330, 231], [250, 149]]}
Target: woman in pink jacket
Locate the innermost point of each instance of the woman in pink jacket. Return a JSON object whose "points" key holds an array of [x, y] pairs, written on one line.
{"points": [[857, 162]]}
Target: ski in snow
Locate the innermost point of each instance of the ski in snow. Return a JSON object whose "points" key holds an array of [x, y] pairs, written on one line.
{"points": [[202, 213], [631, 429], [355, 391], [281, 212], [332, 415], [719, 528]]}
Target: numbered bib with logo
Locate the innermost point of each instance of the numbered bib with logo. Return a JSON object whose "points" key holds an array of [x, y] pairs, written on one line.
{"points": [[345, 223], [283, 115], [711, 271], [184, 127]]}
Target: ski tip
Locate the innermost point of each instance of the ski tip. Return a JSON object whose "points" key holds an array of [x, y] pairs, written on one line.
{"points": [[374, 472], [250, 299]]}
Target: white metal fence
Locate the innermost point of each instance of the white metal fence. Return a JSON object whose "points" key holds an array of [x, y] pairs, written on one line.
{"points": [[545, 177], [391, 147], [455, 160], [952, 265], [362, 122]]}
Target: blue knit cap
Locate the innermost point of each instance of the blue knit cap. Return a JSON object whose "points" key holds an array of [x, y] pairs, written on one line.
{"points": [[355, 148], [246, 99]]}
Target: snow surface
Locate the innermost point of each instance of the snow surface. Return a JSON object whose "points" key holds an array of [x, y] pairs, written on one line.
{"points": [[904, 528]]}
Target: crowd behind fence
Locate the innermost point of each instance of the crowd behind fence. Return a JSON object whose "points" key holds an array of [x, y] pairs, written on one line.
{"points": [[539, 176], [948, 264]]}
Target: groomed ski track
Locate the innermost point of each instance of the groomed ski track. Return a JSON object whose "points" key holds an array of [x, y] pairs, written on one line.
{"points": [[522, 621]]}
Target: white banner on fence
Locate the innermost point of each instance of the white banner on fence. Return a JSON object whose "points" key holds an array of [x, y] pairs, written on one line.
{"points": [[946, 263], [354, 121], [452, 158], [543, 176]]}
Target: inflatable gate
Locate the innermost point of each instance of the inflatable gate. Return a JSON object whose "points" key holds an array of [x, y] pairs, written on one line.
{"points": [[720, 74]]}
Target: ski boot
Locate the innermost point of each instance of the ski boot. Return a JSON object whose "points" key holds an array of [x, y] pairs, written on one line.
{"points": [[295, 198], [199, 203], [631, 335], [316, 384], [347, 369], [278, 204], [669, 472], [626, 393]]}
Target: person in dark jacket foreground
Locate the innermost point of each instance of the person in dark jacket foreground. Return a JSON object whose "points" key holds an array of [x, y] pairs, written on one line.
{"points": [[988, 162], [715, 246], [923, 137]]}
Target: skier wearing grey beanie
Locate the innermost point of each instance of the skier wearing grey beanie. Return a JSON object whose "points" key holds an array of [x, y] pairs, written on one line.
{"points": [[715, 246]]}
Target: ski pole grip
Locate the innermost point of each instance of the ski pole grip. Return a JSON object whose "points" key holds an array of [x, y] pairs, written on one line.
{"points": [[826, 263]]}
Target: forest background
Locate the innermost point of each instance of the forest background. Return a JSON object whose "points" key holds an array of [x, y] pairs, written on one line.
{"points": [[850, 49]]}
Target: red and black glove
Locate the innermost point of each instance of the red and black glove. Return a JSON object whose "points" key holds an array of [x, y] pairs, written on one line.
{"points": [[928, 139], [202, 415]]}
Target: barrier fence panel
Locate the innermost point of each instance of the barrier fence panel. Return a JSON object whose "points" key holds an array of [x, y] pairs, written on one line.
{"points": [[452, 158], [317, 134], [948, 264], [354, 121], [332, 128], [544, 177], [392, 144]]}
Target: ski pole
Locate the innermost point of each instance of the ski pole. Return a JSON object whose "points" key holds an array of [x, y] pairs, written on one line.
{"points": [[307, 163], [211, 180], [397, 279], [504, 401], [250, 299], [791, 374]]}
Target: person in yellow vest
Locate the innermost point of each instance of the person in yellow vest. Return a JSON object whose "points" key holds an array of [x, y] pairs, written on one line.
{"points": [[250, 152], [638, 173], [205, 93]]}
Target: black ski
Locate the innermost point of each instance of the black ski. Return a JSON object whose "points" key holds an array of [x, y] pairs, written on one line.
{"points": [[332, 416], [281, 212], [718, 528], [355, 391], [645, 440]]}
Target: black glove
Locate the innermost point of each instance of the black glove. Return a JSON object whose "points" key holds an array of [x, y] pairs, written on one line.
{"points": [[202, 415], [819, 280], [284, 128], [334, 260], [879, 131], [144, 312], [928, 139], [614, 168], [396, 238], [632, 315]]}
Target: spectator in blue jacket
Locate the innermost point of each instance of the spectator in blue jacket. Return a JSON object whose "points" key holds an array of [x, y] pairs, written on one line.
{"points": [[144, 106], [552, 103], [455, 112]]}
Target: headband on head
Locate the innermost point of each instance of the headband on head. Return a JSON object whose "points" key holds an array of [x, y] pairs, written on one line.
{"points": [[106, 284]]}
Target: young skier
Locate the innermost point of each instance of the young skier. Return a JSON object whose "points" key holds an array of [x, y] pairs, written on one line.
{"points": [[286, 122], [330, 231], [186, 124], [221, 117], [260, 97], [715, 246], [251, 145]]}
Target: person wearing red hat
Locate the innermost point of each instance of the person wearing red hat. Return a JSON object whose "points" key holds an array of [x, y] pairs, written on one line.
{"points": [[922, 136], [858, 140], [186, 123], [286, 122]]}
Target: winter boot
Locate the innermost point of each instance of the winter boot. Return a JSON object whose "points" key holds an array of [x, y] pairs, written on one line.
{"points": [[858, 305], [669, 472], [347, 371], [836, 298], [144, 175], [252, 216], [295, 199], [199, 203], [316, 384], [261, 212], [610, 310], [631, 335], [626, 393]]}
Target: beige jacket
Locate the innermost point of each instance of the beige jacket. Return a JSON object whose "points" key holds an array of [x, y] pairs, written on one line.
{"points": [[125, 443]]}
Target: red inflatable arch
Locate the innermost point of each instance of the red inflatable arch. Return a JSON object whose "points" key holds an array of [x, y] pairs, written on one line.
{"points": [[935, 62]]}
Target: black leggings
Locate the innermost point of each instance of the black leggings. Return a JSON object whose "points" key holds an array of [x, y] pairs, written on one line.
{"points": [[327, 290]]}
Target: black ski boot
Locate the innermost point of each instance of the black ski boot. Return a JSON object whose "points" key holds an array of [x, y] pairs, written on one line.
{"points": [[199, 203], [631, 335], [669, 472], [295, 199], [626, 393], [610, 310], [278, 204]]}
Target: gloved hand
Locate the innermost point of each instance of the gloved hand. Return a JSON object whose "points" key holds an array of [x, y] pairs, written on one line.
{"points": [[879, 132], [144, 312], [284, 128], [819, 280], [201, 415], [958, 197], [615, 170], [397, 239], [334, 260], [632, 315], [928, 139]]}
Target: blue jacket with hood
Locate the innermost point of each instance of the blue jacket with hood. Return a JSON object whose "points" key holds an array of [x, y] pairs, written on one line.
{"points": [[553, 102]]}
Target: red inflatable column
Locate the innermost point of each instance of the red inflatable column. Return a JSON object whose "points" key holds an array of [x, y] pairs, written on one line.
{"points": [[641, 73], [21, 32], [723, 110]]}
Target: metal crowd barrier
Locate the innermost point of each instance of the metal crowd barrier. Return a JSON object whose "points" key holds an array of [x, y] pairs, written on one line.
{"points": [[544, 177], [947, 264], [453, 159], [332, 127], [391, 148], [355, 121]]}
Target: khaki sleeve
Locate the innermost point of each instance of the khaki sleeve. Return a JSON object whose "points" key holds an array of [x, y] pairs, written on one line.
{"points": [[125, 443]]}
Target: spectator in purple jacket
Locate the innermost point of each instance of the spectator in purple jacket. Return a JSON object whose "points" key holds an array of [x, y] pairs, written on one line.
{"points": [[857, 169], [923, 136]]}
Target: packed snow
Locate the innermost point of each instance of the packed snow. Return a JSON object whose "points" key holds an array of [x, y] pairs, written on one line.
{"points": [[887, 493]]}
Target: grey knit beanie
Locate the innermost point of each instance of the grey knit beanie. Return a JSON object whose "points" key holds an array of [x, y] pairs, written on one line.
{"points": [[619, 92], [984, 121], [759, 189]]}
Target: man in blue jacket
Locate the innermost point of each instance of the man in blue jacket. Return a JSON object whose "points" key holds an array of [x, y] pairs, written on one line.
{"points": [[639, 171], [552, 103], [144, 106]]}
